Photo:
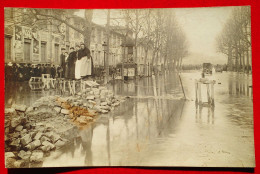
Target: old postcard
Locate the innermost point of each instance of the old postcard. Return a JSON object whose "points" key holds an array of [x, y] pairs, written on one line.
{"points": [[128, 87]]}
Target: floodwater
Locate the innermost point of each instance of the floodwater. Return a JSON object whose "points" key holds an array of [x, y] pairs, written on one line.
{"points": [[156, 127]]}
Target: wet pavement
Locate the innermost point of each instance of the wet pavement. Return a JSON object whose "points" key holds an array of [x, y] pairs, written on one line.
{"points": [[156, 127]]}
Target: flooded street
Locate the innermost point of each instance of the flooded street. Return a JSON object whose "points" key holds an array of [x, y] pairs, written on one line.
{"points": [[155, 126]]}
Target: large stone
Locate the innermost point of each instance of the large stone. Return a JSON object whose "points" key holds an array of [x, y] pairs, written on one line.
{"points": [[105, 107], [16, 134], [37, 136], [19, 128], [59, 143], [15, 121], [90, 97], [37, 156], [33, 145], [49, 134], [15, 143], [19, 164], [57, 109], [44, 138], [23, 132], [9, 110], [104, 111], [65, 111], [9, 155], [24, 155], [19, 107], [45, 148], [48, 144], [26, 139], [55, 138]]}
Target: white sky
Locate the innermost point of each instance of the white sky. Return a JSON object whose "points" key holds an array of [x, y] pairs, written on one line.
{"points": [[201, 26]]}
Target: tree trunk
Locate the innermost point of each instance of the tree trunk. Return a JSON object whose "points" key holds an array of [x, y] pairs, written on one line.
{"points": [[88, 27], [107, 51]]}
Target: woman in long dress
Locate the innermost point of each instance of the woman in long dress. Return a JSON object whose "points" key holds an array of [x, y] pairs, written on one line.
{"points": [[86, 66]]}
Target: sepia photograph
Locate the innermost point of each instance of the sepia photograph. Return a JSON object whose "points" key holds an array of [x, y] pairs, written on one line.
{"points": [[161, 87]]}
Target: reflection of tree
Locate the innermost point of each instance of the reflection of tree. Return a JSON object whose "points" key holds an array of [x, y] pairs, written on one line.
{"points": [[86, 136], [239, 84]]}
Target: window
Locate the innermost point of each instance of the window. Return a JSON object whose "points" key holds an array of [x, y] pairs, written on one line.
{"points": [[27, 50], [7, 49], [43, 52]]}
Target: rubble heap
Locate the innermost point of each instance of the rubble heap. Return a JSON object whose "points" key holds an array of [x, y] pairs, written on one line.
{"points": [[32, 132]]}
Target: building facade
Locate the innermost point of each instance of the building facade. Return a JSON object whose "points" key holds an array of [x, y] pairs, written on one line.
{"points": [[27, 44]]}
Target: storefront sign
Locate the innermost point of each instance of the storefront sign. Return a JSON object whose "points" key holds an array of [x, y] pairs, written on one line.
{"points": [[27, 33], [18, 33]]}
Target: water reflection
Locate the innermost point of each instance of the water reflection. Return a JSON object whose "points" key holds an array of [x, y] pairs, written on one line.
{"points": [[155, 130], [209, 114], [20, 93], [119, 137], [240, 84]]}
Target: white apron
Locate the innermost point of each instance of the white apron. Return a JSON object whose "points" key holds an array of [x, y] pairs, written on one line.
{"points": [[77, 69], [85, 68]]}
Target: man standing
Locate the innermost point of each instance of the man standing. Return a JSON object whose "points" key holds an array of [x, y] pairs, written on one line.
{"points": [[53, 71], [71, 63], [62, 62]]}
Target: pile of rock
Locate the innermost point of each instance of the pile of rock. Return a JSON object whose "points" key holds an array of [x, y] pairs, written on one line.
{"points": [[32, 132], [26, 141], [84, 106]]}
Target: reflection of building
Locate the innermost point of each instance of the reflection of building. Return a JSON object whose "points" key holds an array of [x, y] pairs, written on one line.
{"points": [[27, 43]]}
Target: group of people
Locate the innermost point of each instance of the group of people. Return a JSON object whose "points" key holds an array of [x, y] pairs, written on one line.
{"points": [[77, 64], [24, 71]]}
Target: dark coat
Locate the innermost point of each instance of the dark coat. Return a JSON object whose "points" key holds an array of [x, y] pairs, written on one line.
{"points": [[71, 65], [83, 53], [62, 64]]}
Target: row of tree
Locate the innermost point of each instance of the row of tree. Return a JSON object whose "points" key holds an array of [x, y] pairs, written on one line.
{"points": [[235, 40], [157, 30]]}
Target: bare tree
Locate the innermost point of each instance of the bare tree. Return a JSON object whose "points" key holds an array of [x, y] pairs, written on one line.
{"points": [[235, 39]]}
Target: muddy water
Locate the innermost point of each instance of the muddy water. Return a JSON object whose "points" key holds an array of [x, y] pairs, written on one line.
{"points": [[148, 130], [154, 127]]}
